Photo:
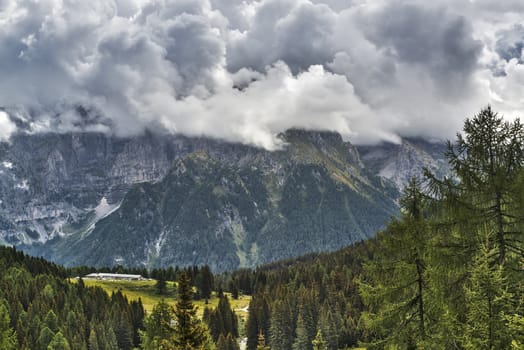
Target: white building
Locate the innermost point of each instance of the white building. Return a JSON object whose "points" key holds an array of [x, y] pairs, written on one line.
{"points": [[114, 276]]}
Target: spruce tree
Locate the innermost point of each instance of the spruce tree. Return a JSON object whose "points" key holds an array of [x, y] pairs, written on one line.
{"points": [[7, 334], [258, 320], [93, 340], [161, 286], [261, 342], [302, 340], [190, 332], [59, 342], [281, 329], [159, 327], [319, 343]]}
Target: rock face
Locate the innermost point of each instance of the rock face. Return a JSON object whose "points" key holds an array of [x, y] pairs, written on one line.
{"points": [[171, 200], [400, 162]]}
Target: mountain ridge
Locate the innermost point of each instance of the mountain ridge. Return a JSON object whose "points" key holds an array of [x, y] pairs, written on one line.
{"points": [[317, 193]]}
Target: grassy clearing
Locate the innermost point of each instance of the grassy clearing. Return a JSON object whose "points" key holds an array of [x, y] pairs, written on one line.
{"points": [[145, 290]]}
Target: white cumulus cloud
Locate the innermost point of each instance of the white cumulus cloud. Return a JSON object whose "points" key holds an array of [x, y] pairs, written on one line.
{"points": [[245, 70]]}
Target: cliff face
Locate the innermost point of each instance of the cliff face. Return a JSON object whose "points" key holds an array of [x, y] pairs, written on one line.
{"points": [[400, 162], [165, 200]]}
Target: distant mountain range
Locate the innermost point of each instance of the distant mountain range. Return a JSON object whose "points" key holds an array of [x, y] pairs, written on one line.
{"points": [[159, 200]]}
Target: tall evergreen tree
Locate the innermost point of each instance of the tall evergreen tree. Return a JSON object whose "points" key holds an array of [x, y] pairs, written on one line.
{"points": [[204, 282], [59, 342], [222, 320], [7, 334], [487, 162], [396, 289], [261, 342], [488, 301], [319, 343], [159, 328], [480, 209], [190, 332], [281, 329], [258, 320], [302, 340]]}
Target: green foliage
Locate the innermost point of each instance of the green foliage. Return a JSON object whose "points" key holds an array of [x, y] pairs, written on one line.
{"points": [[258, 320], [395, 286], [161, 287], [319, 343], [227, 343], [282, 326], [488, 301], [302, 340], [159, 328], [190, 332], [222, 320], [47, 312], [59, 342], [7, 334], [447, 276]]}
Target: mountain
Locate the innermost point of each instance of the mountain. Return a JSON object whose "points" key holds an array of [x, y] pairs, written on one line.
{"points": [[400, 162], [159, 200]]}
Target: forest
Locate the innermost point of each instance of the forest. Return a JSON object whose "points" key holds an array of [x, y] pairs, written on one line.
{"points": [[447, 273]]}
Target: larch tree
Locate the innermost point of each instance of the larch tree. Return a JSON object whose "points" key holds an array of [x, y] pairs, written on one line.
{"points": [[479, 215], [395, 288]]}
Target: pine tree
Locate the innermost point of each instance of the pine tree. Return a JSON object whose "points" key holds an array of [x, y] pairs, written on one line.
{"points": [[159, 327], [190, 333], [258, 320], [222, 320], [7, 334], [281, 329], [222, 343], [204, 282], [302, 340], [93, 340], [161, 286], [226, 343], [45, 338], [329, 324], [261, 342], [319, 343], [59, 342]]}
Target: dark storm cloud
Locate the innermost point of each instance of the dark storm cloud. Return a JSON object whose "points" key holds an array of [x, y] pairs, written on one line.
{"points": [[510, 43], [297, 32], [432, 38], [244, 70]]}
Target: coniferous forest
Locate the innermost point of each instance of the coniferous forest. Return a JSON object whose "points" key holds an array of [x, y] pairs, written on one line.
{"points": [[447, 273]]}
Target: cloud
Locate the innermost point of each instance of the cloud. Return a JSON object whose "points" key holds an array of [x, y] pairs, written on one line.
{"points": [[297, 32], [278, 100], [510, 43], [245, 70], [7, 127]]}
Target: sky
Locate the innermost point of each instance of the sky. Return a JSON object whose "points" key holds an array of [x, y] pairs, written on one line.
{"points": [[245, 70]]}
